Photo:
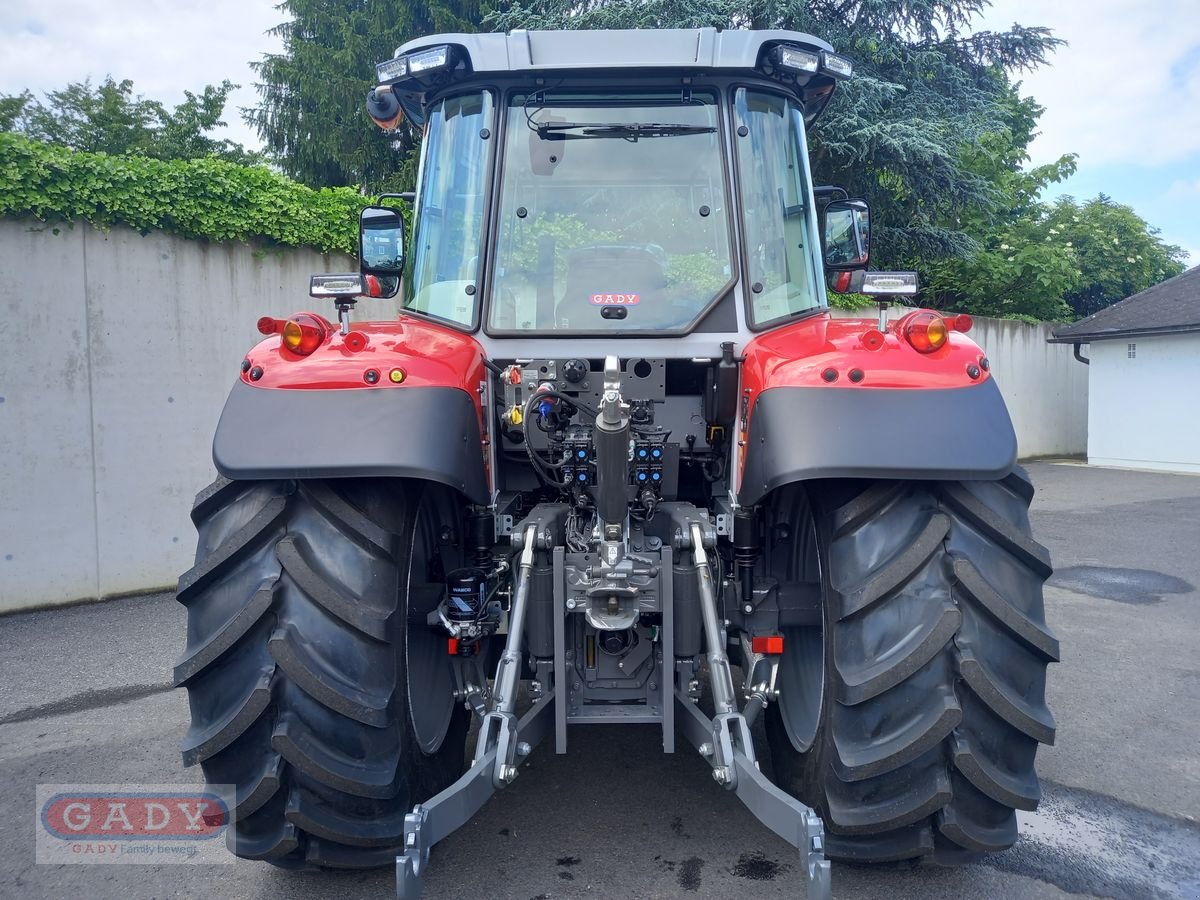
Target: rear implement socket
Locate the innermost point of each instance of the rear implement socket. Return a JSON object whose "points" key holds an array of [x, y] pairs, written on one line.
{"points": [[616, 643]]}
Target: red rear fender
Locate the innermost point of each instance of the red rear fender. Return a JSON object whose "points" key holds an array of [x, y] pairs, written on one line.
{"points": [[798, 355], [429, 355], [835, 398]]}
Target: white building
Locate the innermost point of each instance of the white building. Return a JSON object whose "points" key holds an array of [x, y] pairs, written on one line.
{"points": [[1144, 377]]}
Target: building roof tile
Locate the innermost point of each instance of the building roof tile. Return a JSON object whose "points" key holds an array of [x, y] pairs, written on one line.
{"points": [[1166, 308]]}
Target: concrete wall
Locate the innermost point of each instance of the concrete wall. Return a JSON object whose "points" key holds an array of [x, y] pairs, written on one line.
{"points": [[1142, 409], [119, 351], [1044, 386]]}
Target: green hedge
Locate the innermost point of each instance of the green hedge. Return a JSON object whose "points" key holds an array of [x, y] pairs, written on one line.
{"points": [[195, 198]]}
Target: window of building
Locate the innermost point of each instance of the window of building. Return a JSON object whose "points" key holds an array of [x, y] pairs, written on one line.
{"points": [[1132, 351]]}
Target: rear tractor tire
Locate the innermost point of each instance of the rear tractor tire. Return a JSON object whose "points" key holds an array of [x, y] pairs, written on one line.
{"points": [[910, 717], [316, 689]]}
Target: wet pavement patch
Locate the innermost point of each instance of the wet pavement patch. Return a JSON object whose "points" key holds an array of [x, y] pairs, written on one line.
{"points": [[87, 700], [567, 861], [1089, 843], [1135, 586], [756, 866], [689, 873]]}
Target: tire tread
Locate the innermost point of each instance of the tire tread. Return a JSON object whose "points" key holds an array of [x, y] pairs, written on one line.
{"points": [[292, 676], [936, 652]]}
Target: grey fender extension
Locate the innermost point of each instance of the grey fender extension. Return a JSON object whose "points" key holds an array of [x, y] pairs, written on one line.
{"points": [[429, 433], [800, 433]]}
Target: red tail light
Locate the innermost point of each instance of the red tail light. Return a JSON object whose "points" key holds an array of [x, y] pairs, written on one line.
{"points": [[303, 334], [270, 325], [926, 331], [963, 322]]}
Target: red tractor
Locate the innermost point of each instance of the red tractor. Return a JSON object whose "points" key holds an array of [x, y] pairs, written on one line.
{"points": [[614, 447]]}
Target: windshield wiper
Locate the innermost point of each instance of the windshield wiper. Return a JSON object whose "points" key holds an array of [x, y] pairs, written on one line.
{"points": [[630, 131]]}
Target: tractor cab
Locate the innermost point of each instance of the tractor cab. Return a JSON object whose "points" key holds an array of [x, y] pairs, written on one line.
{"points": [[638, 184]]}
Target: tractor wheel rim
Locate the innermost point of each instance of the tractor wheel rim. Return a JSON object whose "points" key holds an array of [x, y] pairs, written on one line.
{"points": [[802, 667], [429, 675], [801, 685]]}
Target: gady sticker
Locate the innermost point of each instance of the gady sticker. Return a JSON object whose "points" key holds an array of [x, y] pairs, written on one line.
{"points": [[615, 299]]}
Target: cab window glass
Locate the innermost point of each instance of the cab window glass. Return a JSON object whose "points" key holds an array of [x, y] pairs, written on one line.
{"points": [[449, 218], [782, 277]]}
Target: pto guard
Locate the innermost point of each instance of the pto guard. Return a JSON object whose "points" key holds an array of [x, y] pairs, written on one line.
{"points": [[428, 433]]}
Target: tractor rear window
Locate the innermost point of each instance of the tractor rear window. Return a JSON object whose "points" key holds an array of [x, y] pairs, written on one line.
{"points": [[613, 215]]}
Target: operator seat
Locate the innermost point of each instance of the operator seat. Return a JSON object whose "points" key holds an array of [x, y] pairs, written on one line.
{"points": [[628, 269]]}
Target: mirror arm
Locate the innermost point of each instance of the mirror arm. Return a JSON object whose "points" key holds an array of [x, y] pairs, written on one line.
{"points": [[830, 192], [344, 306]]}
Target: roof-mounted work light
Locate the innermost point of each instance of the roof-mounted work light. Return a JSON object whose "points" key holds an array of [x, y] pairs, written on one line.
{"points": [[837, 66], [810, 61], [797, 60], [428, 59], [392, 69], [413, 64]]}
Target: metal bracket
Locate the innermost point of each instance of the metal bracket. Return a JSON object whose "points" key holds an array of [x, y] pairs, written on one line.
{"points": [[761, 676], [725, 741], [438, 817], [726, 744], [503, 743], [723, 517], [470, 685]]}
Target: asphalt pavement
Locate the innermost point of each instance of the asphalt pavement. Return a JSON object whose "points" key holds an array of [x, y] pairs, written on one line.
{"points": [[85, 698]]}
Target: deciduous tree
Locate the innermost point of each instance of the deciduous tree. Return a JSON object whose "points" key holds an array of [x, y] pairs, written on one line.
{"points": [[110, 118]]}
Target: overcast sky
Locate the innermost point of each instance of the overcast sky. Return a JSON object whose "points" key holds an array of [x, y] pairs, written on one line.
{"points": [[1124, 95]]}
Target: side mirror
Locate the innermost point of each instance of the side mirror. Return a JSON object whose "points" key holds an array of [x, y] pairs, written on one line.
{"points": [[847, 235], [380, 241]]}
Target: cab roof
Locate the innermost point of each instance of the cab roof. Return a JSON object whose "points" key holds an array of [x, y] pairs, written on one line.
{"points": [[687, 52], [676, 48]]}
